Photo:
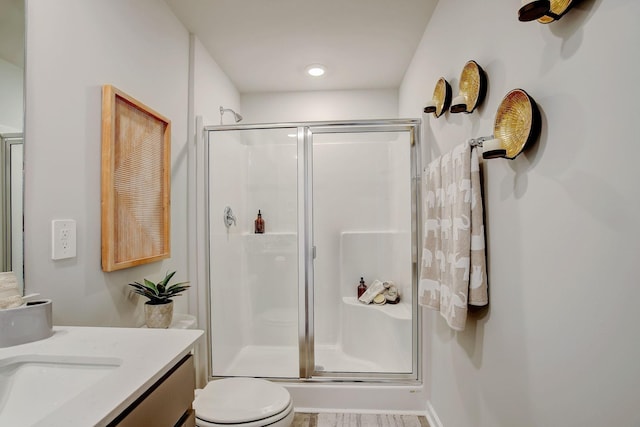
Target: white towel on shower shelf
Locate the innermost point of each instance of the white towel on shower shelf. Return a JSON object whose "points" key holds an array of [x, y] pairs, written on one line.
{"points": [[453, 271]]}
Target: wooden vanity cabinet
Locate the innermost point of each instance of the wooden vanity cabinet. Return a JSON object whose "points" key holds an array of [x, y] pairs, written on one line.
{"points": [[168, 403]]}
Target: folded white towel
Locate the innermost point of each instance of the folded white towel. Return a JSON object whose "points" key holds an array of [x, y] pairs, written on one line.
{"points": [[371, 292]]}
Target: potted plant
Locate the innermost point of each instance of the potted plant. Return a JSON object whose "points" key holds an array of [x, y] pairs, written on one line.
{"points": [[158, 311]]}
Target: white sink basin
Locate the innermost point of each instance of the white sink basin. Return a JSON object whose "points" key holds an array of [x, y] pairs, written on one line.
{"points": [[32, 386]]}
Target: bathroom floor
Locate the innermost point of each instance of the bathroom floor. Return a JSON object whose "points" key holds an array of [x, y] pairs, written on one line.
{"points": [[303, 419]]}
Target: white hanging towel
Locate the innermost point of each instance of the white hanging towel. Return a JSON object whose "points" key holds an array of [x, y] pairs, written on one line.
{"points": [[453, 272]]}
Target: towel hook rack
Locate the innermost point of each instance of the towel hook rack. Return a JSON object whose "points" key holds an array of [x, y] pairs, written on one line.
{"points": [[477, 142], [491, 147]]}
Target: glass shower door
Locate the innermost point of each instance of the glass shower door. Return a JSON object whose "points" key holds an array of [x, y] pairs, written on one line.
{"points": [[253, 276], [362, 229]]}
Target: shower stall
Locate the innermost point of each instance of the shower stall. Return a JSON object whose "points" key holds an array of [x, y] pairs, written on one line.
{"points": [[339, 203]]}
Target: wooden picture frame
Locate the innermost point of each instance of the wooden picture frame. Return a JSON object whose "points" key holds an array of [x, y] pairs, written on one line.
{"points": [[136, 182]]}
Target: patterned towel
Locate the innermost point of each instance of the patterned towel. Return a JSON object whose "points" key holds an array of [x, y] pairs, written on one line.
{"points": [[453, 273]]}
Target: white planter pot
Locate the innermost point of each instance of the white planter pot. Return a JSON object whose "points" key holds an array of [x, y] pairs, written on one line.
{"points": [[158, 315]]}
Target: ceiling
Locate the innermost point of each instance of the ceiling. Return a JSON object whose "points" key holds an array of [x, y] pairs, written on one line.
{"points": [[265, 45]]}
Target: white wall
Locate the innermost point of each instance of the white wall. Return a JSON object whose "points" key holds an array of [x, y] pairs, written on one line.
{"points": [[557, 346], [73, 49], [272, 107], [212, 88]]}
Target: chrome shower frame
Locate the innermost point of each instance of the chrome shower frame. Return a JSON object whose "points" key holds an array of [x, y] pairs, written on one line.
{"points": [[304, 136]]}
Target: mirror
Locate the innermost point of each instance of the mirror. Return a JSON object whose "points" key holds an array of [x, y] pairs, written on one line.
{"points": [[12, 48]]}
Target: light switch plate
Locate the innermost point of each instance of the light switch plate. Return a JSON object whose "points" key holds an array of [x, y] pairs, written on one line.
{"points": [[63, 239]]}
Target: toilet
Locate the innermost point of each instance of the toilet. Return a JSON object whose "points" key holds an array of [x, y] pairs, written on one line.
{"points": [[246, 402]]}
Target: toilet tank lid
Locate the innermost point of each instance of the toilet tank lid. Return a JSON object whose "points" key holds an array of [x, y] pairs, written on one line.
{"points": [[240, 400]]}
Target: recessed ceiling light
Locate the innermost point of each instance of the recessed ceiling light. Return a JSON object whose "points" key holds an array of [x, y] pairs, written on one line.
{"points": [[316, 70]]}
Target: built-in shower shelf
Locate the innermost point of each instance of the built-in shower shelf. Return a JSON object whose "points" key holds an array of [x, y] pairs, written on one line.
{"points": [[397, 311]]}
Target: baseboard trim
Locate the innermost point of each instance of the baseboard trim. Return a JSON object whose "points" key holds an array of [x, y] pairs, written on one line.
{"points": [[431, 415]]}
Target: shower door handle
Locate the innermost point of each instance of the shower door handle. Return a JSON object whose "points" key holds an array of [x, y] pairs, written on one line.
{"points": [[313, 252]]}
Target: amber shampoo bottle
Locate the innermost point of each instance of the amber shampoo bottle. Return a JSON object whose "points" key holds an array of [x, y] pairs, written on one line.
{"points": [[362, 288], [259, 224]]}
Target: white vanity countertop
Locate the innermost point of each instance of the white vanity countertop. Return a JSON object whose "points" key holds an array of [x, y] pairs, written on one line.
{"points": [[143, 355]]}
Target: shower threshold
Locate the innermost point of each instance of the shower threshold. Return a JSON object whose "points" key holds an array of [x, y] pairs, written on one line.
{"points": [[282, 362]]}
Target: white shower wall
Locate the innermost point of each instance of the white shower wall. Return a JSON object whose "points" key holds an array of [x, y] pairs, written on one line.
{"points": [[228, 173], [253, 277], [353, 192], [271, 259]]}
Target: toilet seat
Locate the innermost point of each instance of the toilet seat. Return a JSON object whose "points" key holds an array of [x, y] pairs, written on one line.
{"points": [[283, 419], [242, 401]]}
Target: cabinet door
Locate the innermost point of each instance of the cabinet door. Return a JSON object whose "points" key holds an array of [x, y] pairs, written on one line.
{"points": [[190, 419], [166, 402]]}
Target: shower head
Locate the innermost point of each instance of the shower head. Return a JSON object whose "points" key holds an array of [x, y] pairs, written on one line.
{"points": [[237, 117]]}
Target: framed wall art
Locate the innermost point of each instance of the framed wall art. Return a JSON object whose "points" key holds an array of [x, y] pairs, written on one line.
{"points": [[136, 181]]}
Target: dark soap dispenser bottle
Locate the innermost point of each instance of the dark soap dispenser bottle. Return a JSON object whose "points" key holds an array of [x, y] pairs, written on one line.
{"points": [[362, 288], [259, 224]]}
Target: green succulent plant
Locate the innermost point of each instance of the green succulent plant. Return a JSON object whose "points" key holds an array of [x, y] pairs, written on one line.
{"points": [[161, 292]]}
